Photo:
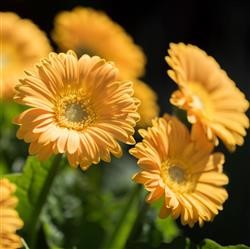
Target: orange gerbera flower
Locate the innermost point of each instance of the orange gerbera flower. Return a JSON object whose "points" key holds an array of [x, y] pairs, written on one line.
{"points": [[22, 44], [78, 108], [9, 218], [208, 95], [180, 168], [86, 30]]}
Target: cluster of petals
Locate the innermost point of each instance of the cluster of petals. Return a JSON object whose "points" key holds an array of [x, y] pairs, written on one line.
{"points": [[181, 169], [77, 107], [10, 221], [208, 95], [86, 30], [18, 50], [82, 29]]}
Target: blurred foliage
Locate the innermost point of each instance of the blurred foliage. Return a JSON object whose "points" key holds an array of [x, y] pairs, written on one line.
{"points": [[86, 205], [76, 209], [13, 152], [32, 188], [185, 243]]}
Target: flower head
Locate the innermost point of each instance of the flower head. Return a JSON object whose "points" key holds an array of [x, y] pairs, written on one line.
{"points": [[86, 30], [22, 44], [208, 95], [148, 108], [78, 108], [10, 221], [180, 167]]}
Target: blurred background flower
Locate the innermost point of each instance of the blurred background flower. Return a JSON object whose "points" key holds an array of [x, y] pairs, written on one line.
{"points": [[148, 107], [22, 45], [90, 31]]}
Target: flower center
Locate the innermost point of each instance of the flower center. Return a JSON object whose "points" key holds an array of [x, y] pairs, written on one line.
{"points": [[197, 102], [201, 101], [74, 110], [177, 177], [177, 174]]}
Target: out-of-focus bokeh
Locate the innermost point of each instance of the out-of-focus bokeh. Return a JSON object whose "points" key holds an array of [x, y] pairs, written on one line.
{"points": [[222, 29]]}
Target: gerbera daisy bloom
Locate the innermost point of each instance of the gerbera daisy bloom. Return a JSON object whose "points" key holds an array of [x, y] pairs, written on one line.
{"points": [[180, 167], [89, 31], [208, 95], [78, 108], [22, 44], [148, 108], [10, 221]]}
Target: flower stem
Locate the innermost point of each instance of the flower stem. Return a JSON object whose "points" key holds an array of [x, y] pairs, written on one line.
{"points": [[34, 221], [140, 219], [24, 244], [125, 223]]}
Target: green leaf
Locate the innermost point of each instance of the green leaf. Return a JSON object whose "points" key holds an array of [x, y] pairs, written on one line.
{"points": [[53, 234], [3, 167], [210, 244], [185, 243], [125, 223], [168, 228], [33, 185], [77, 208], [9, 154], [29, 185], [8, 111], [178, 243]]}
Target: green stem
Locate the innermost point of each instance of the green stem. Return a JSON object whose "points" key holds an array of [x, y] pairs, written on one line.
{"points": [[34, 221], [140, 219], [125, 223], [24, 244]]}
